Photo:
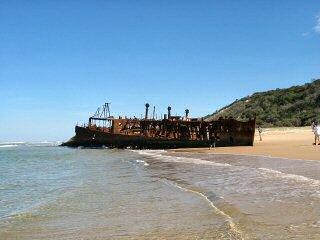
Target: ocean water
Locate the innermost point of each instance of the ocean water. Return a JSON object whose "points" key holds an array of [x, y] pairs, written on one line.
{"points": [[51, 192]]}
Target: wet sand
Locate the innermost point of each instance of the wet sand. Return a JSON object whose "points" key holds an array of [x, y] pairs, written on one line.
{"points": [[291, 143]]}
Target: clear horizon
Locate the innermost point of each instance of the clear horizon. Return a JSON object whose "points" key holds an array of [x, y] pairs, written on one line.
{"points": [[61, 61]]}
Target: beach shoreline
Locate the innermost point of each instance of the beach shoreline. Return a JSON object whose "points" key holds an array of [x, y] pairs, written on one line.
{"points": [[285, 142]]}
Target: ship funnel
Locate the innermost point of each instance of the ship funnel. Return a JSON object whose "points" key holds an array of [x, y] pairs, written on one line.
{"points": [[187, 113], [154, 112], [147, 110], [169, 112]]}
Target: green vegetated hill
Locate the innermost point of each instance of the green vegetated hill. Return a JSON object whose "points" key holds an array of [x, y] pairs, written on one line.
{"points": [[294, 106]]}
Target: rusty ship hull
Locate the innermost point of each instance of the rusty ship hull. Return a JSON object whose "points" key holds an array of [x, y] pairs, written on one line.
{"points": [[169, 132], [86, 137]]}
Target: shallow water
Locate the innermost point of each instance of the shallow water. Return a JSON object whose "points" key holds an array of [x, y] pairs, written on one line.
{"points": [[63, 193]]}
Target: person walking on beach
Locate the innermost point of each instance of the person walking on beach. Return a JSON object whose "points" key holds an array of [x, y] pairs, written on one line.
{"points": [[313, 124], [316, 131], [260, 132]]}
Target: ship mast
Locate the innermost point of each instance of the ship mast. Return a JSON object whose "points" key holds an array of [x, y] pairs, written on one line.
{"points": [[101, 115]]}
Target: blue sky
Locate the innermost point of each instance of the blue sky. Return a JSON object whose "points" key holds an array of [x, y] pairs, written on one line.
{"points": [[60, 60]]}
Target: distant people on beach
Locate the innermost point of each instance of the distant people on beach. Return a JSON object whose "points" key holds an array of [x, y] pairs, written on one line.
{"points": [[260, 132], [313, 124], [316, 131]]}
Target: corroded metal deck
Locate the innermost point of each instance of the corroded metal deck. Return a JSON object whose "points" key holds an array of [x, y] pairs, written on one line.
{"points": [[169, 132]]}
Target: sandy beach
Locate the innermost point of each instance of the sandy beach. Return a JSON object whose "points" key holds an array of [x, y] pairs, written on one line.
{"points": [[292, 143]]}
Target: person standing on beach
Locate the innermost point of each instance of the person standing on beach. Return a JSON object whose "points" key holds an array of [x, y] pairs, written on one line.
{"points": [[316, 131], [260, 132]]}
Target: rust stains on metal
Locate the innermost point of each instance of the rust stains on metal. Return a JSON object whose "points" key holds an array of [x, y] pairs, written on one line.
{"points": [[169, 132]]}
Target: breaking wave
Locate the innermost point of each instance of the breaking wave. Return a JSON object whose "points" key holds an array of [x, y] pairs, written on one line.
{"points": [[142, 162], [157, 154], [298, 178], [29, 144], [8, 145]]}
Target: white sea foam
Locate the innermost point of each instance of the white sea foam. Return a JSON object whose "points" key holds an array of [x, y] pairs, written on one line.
{"points": [[157, 154], [298, 178], [8, 145], [199, 161], [29, 144], [149, 152], [227, 218], [142, 162], [44, 143]]}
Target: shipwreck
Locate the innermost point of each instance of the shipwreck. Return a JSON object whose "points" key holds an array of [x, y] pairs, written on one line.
{"points": [[170, 131]]}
